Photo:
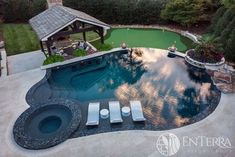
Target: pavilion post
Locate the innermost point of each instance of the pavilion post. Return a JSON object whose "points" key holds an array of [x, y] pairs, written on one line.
{"points": [[84, 33], [48, 47], [101, 33], [42, 49]]}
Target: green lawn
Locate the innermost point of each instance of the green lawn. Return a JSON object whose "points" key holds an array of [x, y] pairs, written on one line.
{"points": [[89, 36], [19, 38], [153, 38]]}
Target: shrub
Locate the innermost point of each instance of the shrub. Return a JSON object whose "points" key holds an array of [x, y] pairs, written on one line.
{"points": [[79, 53], [103, 47], [208, 51], [53, 59]]}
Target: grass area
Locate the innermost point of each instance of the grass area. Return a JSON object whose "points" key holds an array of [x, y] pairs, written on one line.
{"points": [[101, 47], [19, 38], [154, 38], [89, 36]]}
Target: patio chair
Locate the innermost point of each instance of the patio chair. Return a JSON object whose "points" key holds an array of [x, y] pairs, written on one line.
{"points": [[115, 112], [137, 112], [93, 114]]}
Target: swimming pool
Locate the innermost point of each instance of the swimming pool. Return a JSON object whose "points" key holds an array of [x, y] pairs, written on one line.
{"points": [[154, 38], [173, 94]]}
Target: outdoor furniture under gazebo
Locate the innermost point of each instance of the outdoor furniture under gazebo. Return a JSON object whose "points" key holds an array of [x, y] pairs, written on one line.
{"points": [[59, 22]]}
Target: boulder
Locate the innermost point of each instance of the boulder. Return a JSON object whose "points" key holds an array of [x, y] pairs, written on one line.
{"points": [[2, 44]]}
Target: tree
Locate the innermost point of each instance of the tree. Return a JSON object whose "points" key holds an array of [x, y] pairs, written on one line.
{"points": [[223, 21], [22, 10], [226, 32], [230, 47], [219, 13], [229, 3], [188, 12]]}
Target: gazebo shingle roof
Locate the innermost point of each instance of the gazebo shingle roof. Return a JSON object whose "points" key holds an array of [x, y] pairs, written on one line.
{"points": [[57, 17]]}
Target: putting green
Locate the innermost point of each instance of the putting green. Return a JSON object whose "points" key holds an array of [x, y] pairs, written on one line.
{"points": [[153, 38]]}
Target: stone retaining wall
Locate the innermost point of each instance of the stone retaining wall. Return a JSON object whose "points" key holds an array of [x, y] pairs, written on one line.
{"points": [[3, 63], [201, 65]]}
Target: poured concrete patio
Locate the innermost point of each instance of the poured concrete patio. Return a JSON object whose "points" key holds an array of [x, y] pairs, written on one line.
{"points": [[25, 61], [13, 90]]}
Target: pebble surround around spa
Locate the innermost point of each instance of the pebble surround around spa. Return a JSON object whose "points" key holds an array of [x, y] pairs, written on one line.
{"points": [[46, 125]]}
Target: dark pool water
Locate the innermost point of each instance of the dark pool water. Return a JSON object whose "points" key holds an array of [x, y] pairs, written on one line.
{"points": [[48, 121], [50, 124], [172, 93]]}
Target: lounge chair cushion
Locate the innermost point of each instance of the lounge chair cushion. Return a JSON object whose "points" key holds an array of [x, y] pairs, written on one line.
{"points": [[137, 112], [115, 112], [93, 114]]}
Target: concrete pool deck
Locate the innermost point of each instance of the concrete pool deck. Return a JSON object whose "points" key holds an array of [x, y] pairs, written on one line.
{"points": [[13, 89], [25, 61]]}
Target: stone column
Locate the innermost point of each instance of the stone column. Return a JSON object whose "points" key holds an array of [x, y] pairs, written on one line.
{"points": [[51, 3]]}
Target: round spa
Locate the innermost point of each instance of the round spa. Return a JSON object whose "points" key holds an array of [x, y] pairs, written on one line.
{"points": [[47, 125]]}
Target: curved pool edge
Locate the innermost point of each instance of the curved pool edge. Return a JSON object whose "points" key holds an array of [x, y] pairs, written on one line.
{"points": [[135, 138], [195, 119], [30, 101], [11, 109]]}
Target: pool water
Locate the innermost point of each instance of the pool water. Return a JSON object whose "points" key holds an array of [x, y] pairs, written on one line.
{"points": [[154, 38], [50, 124], [172, 93]]}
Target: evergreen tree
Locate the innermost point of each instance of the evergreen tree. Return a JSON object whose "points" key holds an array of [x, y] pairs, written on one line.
{"points": [[226, 32], [188, 12], [230, 47], [22, 10], [229, 3], [219, 13], [223, 22]]}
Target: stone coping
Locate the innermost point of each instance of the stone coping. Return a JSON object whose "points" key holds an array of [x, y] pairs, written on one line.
{"points": [[77, 59], [177, 53], [191, 36], [27, 141]]}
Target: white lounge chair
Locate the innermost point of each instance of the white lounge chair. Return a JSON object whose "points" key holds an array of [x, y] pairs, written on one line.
{"points": [[137, 112], [93, 114], [115, 112]]}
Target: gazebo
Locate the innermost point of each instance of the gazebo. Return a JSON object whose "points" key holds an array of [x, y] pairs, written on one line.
{"points": [[60, 21]]}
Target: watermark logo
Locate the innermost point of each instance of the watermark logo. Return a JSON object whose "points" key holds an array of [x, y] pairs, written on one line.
{"points": [[168, 144]]}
